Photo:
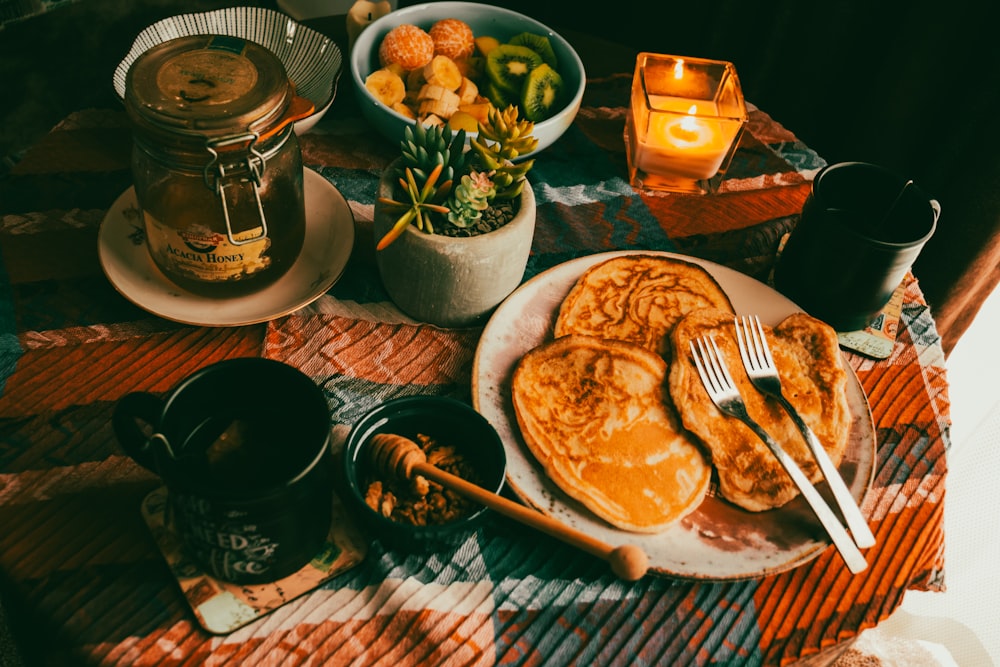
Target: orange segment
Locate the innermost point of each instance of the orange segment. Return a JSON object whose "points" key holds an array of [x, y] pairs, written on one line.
{"points": [[407, 45], [453, 38]]}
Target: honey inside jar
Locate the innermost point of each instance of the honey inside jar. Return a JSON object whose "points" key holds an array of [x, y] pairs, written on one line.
{"points": [[216, 163], [189, 242]]}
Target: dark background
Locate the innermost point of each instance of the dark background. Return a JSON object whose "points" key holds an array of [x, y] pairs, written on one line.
{"points": [[914, 86], [911, 85]]}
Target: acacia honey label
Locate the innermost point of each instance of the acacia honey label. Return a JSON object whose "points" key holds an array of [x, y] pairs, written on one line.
{"points": [[199, 253]]}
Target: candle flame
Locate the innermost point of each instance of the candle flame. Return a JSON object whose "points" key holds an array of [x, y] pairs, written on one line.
{"points": [[679, 70], [688, 123]]}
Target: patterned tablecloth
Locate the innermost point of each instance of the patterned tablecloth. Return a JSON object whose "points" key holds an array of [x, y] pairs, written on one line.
{"points": [[85, 581]]}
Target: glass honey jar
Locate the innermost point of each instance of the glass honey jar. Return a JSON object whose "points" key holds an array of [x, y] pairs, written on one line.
{"points": [[216, 163]]}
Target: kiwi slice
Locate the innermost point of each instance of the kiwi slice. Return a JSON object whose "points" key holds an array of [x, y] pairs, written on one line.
{"points": [[508, 65], [542, 93], [539, 44], [501, 99]]}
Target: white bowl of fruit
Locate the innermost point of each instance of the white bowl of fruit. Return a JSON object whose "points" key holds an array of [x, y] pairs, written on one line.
{"points": [[448, 62]]}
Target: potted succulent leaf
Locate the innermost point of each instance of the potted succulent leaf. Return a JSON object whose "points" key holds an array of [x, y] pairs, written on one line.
{"points": [[454, 228]]}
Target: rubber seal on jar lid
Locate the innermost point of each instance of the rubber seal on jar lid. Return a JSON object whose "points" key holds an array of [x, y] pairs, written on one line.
{"points": [[208, 86]]}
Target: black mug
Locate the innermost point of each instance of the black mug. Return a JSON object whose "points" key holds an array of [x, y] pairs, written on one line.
{"points": [[862, 227], [242, 446]]}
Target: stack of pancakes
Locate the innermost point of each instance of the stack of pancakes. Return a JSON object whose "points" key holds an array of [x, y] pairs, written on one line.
{"points": [[614, 411]]}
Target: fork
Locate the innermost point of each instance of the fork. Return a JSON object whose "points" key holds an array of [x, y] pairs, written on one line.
{"points": [[722, 390], [763, 374]]}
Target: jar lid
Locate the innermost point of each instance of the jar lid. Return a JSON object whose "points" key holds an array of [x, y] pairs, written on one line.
{"points": [[207, 87]]}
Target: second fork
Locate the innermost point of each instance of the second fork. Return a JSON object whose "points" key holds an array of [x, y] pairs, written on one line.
{"points": [[725, 395], [763, 374]]}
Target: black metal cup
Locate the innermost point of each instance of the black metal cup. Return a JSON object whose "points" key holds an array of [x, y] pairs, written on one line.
{"points": [[862, 227], [242, 446]]}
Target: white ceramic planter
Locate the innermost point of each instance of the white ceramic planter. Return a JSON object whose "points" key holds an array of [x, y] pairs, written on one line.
{"points": [[449, 281]]}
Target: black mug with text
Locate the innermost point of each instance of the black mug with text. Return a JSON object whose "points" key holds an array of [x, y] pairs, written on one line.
{"points": [[861, 229], [242, 446]]}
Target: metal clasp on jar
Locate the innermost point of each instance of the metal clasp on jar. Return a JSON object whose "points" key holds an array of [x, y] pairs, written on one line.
{"points": [[216, 179]]}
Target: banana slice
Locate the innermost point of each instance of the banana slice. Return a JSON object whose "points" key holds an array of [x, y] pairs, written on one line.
{"points": [[415, 79], [387, 86], [431, 91], [442, 71], [431, 120], [443, 107], [397, 69], [402, 108], [467, 91]]}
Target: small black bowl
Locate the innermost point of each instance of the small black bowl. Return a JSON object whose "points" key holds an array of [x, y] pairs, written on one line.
{"points": [[449, 422]]}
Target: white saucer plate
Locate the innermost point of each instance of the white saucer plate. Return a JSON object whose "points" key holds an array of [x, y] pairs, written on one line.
{"points": [[718, 541], [327, 247]]}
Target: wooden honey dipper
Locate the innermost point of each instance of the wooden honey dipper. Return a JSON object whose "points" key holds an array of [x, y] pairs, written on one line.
{"points": [[400, 456]]}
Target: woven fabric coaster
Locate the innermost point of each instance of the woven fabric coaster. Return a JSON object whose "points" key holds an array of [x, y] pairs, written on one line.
{"points": [[222, 607], [878, 338]]}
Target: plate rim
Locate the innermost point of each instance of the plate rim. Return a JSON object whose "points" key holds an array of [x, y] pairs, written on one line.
{"points": [[232, 21], [338, 219], [861, 419]]}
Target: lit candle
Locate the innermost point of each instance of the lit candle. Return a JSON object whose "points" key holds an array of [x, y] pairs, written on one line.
{"points": [[684, 120], [681, 138], [683, 144]]}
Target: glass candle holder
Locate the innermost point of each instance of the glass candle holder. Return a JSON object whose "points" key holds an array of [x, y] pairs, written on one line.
{"points": [[684, 122]]}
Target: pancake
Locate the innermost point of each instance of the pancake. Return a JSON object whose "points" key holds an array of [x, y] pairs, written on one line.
{"points": [[813, 379], [638, 298], [593, 413]]}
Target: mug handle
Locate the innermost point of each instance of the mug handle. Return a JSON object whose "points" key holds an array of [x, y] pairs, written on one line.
{"points": [[131, 409], [936, 207]]}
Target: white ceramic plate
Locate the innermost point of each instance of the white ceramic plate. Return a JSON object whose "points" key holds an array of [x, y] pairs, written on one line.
{"points": [[718, 541], [312, 60], [325, 251]]}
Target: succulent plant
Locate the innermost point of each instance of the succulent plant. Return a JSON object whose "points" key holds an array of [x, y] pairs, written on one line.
{"points": [[420, 206], [470, 198], [425, 147], [433, 161], [512, 136], [501, 141]]}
